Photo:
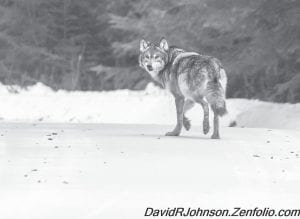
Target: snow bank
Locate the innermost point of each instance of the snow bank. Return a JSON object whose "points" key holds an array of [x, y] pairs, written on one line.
{"points": [[40, 103]]}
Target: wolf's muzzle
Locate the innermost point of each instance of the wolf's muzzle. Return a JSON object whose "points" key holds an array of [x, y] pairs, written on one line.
{"points": [[149, 67]]}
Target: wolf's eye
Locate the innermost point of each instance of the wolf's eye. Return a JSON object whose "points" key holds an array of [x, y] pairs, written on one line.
{"points": [[156, 57], [147, 56]]}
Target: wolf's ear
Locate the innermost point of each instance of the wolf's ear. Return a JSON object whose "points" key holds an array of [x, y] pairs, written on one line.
{"points": [[164, 44], [143, 45]]}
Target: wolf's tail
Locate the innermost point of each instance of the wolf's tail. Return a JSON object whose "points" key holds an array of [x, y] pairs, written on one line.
{"points": [[215, 96]]}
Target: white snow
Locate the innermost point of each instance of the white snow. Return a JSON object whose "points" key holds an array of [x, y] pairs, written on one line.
{"points": [[58, 158], [153, 106], [94, 171]]}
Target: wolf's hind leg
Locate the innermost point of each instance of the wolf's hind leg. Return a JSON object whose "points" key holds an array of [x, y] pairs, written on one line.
{"points": [[216, 134], [216, 99], [188, 104], [179, 101], [205, 108]]}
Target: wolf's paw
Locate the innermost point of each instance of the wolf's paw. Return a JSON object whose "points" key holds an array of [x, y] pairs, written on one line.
{"points": [[186, 123], [205, 127], [215, 136], [173, 133]]}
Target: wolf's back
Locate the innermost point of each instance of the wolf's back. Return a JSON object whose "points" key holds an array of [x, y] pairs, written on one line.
{"points": [[216, 76]]}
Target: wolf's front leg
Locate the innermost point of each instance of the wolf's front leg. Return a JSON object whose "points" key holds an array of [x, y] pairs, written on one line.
{"points": [[179, 101]]}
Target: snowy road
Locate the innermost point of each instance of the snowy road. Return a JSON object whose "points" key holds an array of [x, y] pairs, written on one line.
{"points": [[116, 171]]}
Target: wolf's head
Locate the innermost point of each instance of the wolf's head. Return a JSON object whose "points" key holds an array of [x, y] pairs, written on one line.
{"points": [[153, 58]]}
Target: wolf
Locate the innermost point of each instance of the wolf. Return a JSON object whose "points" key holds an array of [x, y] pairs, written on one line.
{"points": [[191, 78]]}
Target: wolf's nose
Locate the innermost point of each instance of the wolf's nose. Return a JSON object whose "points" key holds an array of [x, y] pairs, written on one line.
{"points": [[149, 67]]}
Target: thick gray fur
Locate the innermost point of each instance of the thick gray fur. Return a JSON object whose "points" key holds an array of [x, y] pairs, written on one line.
{"points": [[191, 78]]}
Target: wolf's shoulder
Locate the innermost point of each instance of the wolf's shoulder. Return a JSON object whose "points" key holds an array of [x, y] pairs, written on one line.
{"points": [[174, 52]]}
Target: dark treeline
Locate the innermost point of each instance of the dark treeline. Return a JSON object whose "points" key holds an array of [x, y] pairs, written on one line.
{"points": [[59, 42]]}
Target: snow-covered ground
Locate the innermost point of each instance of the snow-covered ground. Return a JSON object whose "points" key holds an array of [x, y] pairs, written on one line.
{"points": [[152, 106], [91, 171], [58, 158]]}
